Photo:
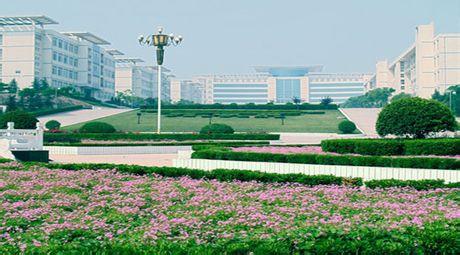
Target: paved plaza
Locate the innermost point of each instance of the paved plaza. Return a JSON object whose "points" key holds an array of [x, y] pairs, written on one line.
{"points": [[78, 116], [131, 159], [364, 118]]}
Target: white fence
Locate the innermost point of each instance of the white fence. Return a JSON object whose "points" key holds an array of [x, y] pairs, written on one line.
{"points": [[367, 173], [115, 150], [23, 139]]}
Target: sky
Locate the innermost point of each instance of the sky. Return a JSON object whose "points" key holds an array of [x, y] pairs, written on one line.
{"points": [[232, 36]]}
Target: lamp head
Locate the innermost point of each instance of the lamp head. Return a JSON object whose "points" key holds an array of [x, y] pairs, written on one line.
{"points": [[141, 39]]}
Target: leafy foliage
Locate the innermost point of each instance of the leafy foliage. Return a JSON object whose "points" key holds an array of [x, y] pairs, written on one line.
{"points": [[97, 127], [389, 147], [318, 159], [21, 119], [451, 98], [347, 127], [374, 98], [326, 101], [414, 117], [53, 125], [400, 96], [217, 128]]}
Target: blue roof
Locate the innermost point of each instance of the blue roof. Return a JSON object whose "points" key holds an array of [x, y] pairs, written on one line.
{"points": [[286, 71]]}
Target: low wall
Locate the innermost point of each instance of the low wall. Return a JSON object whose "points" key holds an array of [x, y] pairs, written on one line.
{"points": [[367, 173], [115, 150]]}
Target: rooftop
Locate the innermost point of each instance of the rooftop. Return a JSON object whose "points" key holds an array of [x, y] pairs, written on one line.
{"points": [[286, 71], [128, 60], [26, 20], [88, 37], [114, 52]]}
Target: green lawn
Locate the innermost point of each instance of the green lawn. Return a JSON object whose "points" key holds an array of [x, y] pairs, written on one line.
{"points": [[308, 123]]}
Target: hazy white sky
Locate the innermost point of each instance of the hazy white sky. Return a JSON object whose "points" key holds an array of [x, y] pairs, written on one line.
{"points": [[234, 35]]}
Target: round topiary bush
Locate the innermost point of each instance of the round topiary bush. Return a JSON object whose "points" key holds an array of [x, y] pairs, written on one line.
{"points": [[97, 127], [53, 125], [217, 129], [347, 127], [21, 119], [415, 117]]}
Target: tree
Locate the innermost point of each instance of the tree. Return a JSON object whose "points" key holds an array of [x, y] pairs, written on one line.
{"points": [[297, 102], [21, 119], [13, 86], [53, 125], [374, 98], [415, 117], [400, 96], [217, 129], [451, 98], [326, 101], [11, 104]]}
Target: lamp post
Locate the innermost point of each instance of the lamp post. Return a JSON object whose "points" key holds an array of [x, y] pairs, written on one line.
{"points": [[160, 41], [451, 92], [139, 117]]}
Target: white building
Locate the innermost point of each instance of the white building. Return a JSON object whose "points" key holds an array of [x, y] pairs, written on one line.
{"points": [[30, 51], [278, 85], [431, 63], [187, 90], [141, 80]]}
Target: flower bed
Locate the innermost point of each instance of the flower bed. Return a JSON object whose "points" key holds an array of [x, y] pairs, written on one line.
{"points": [[46, 211]]}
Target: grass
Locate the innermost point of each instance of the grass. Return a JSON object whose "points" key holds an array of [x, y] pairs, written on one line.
{"points": [[309, 123]]}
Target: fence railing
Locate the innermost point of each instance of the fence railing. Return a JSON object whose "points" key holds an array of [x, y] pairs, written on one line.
{"points": [[23, 139], [367, 173]]}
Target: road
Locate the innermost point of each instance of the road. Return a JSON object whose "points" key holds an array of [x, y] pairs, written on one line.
{"points": [[364, 118], [131, 159], [78, 116]]}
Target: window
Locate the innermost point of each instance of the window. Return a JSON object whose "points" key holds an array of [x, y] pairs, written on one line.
{"points": [[1, 53], [1, 39], [402, 88], [403, 81], [54, 41]]}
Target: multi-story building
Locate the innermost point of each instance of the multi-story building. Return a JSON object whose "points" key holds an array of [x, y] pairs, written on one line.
{"points": [[431, 63], [30, 51], [141, 80], [186, 90], [279, 85]]}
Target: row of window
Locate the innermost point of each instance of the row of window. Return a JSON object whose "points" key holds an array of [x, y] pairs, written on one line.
{"points": [[59, 57], [70, 47], [1, 39], [59, 71], [60, 84]]}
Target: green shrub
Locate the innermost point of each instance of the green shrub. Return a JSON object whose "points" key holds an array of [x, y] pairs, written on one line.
{"points": [[97, 127], [382, 147], [58, 110], [416, 184], [218, 174], [415, 117], [347, 127], [317, 159], [53, 125], [21, 119], [217, 129], [77, 137]]}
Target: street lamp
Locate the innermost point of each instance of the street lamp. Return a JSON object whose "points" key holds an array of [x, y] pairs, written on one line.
{"points": [[160, 41], [138, 117], [451, 92]]}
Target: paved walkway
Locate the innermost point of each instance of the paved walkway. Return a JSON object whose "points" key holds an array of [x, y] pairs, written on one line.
{"points": [[364, 118], [309, 138], [78, 116], [132, 159]]}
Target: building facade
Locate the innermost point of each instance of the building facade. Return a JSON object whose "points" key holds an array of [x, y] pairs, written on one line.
{"points": [[431, 63], [29, 51], [141, 80], [278, 85]]}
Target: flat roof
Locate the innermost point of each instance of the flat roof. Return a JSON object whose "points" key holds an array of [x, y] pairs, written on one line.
{"points": [[129, 60], [88, 37], [288, 70], [114, 52], [164, 69], [26, 20]]}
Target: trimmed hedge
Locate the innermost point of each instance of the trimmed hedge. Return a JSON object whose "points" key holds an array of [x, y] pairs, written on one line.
{"points": [[77, 137], [97, 127], [195, 145], [317, 159], [218, 174], [58, 110], [217, 128], [304, 106], [416, 184], [446, 146]]}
